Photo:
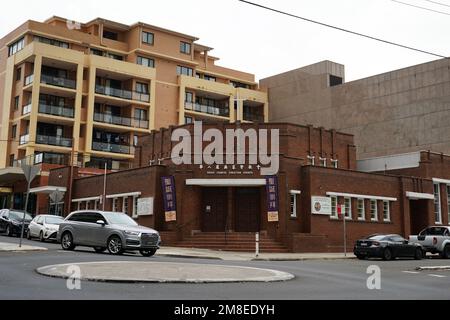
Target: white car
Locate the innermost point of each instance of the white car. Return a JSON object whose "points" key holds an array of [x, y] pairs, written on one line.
{"points": [[44, 227]]}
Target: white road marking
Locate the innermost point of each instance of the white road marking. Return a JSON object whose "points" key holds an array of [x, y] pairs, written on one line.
{"points": [[413, 272], [437, 275]]}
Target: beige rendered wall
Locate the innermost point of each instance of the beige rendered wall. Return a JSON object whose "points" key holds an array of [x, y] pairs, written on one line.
{"points": [[400, 111]]}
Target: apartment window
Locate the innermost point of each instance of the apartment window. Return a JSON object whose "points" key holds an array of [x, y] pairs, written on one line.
{"points": [[348, 208], [11, 160], [16, 47], [141, 87], [293, 205], [185, 70], [361, 209], [334, 207], [13, 131], [373, 210], [189, 97], [18, 74], [135, 207], [97, 52], [323, 161], [115, 205], [140, 114], [188, 120], [311, 160], [209, 78], [147, 37], [185, 47], [110, 35], [16, 103], [386, 211], [437, 203], [239, 85], [335, 81], [114, 56], [147, 62], [125, 205], [448, 202], [52, 42], [334, 163]]}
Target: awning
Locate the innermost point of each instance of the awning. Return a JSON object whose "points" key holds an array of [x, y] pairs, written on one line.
{"points": [[226, 182], [10, 175], [419, 195], [47, 189]]}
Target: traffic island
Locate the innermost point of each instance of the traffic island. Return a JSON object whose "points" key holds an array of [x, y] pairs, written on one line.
{"points": [[14, 247], [162, 272]]}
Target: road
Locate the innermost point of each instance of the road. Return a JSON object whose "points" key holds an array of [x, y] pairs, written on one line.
{"points": [[318, 279]]}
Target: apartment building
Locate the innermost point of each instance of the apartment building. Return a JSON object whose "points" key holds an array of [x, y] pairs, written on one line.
{"points": [[91, 89]]}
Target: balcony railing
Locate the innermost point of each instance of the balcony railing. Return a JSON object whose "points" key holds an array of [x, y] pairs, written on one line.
{"points": [[58, 81], [54, 140], [29, 79], [120, 121], [56, 110], [216, 110], [26, 109], [111, 147], [24, 139], [123, 94]]}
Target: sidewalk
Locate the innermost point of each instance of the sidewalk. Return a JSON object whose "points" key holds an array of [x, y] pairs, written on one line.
{"points": [[7, 247], [247, 256]]}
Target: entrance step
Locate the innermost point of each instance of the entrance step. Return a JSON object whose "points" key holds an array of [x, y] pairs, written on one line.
{"points": [[233, 241]]}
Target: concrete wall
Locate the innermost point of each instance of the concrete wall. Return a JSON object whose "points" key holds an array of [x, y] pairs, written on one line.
{"points": [[396, 112]]}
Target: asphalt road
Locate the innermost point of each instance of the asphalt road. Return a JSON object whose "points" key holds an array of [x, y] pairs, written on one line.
{"points": [[324, 279]]}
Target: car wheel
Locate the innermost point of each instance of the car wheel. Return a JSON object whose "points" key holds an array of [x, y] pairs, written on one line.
{"points": [[41, 237], [387, 254], [361, 257], [418, 255], [446, 252], [115, 245], [9, 231], [147, 252], [67, 241], [99, 249]]}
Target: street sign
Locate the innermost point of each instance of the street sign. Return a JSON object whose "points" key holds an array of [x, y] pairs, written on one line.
{"points": [[30, 173], [56, 196]]}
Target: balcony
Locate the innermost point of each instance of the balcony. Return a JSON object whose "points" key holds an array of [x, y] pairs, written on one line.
{"points": [[254, 117], [24, 139], [29, 80], [54, 141], [26, 109], [56, 110], [221, 111], [111, 147], [122, 94], [58, 81], [120, 121]]}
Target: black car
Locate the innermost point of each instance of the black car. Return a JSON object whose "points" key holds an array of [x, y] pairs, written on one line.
{"points": [[388, 247], [11, 222]]}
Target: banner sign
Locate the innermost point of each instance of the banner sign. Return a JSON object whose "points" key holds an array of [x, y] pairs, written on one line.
{"points": [[170, 202], [272, 198], [321, 205]]}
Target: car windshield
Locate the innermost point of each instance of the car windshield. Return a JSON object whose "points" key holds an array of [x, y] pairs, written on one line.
{"points": [[378, 238], [53, 220], [119, 218], [16, 215]]}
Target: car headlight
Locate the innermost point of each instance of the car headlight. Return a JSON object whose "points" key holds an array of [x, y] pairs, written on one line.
{"points": [[132, 233]]}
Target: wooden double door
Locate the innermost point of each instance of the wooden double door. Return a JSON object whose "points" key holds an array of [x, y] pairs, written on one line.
{"points": [[244, 215]]}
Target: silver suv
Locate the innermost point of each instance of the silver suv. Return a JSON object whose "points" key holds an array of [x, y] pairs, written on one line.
{"points": [[103, 230]]}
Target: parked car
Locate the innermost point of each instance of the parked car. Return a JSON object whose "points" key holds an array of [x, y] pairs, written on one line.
{"points": [[11, 222], [435, 239], [388, 247], [44, 227], [103, 230]]}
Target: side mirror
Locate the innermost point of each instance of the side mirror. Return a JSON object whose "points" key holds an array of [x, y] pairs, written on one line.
{"points": [[101, 222]]}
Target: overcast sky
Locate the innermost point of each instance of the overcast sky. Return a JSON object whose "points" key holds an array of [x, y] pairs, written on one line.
{"points": [[266, 43]]}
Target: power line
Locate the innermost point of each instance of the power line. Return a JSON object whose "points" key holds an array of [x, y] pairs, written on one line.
{"points": [[419, 7], [439, 3], [344, 30]]}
